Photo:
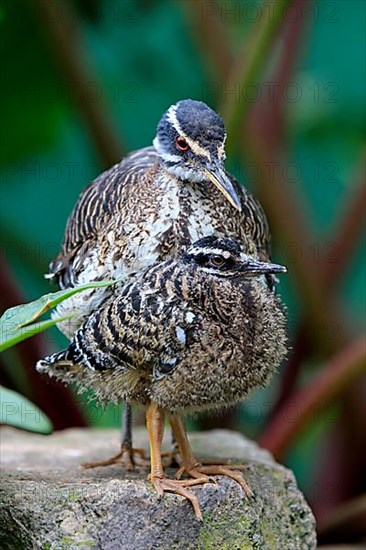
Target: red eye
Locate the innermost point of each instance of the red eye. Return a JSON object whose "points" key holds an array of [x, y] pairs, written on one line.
{"points": [[182, 145]]}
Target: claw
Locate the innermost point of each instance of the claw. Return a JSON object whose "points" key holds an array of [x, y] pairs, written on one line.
{"points": [[203, 473], [125, 458], [201, 478], [178, 487]]}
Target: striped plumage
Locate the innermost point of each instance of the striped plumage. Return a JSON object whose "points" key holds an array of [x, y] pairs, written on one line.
{"points": [[186, 334], [184, 324], [138, 212], [152, 205]]}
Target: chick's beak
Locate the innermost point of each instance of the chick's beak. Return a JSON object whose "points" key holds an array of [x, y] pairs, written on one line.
{"points": [[255, 267], [216, 174]]}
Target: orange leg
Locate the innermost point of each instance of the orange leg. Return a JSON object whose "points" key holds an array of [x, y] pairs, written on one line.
{"points": [[195, 469], [155, 428]]}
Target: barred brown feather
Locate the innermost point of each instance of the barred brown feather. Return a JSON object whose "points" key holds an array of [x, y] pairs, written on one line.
{"points": [[182, 333]]}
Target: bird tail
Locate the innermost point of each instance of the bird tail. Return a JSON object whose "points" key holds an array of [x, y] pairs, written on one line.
{"points": [[62, 365]]}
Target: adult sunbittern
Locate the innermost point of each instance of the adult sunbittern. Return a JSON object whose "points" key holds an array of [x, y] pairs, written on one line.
{"points": [[150, 207], [186, 334]]}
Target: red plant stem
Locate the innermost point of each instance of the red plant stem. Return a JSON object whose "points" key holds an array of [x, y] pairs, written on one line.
{"points": [[271, 117], [248, 68], [67, 45], [349, 230], [341, 455], [289, 227], [337, 375], [346, 241], [285, 210], [346, 522], [348, 233], [213, 41]]}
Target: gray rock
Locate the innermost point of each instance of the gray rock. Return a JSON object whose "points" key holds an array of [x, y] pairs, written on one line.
{"points": [[50, 502]]}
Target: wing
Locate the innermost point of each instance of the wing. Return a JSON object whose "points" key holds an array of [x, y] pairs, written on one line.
{"points": [[255, 220], [256, 225], [131, 341], [127, 330], [96, 205]]}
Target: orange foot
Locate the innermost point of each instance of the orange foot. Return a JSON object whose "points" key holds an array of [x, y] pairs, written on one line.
{"points": [[178, 487], [125, 458], [202, 472]]}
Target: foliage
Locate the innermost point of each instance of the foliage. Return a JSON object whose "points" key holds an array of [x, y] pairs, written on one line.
{"points": [[16, 324], [16, 410]]}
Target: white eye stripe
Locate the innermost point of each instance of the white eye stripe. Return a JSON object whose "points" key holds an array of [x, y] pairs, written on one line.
{"points": [[172, 117], [210, 251], [197, 149]]}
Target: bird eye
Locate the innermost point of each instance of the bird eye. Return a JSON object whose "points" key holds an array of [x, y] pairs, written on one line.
{"points": [[182, 144], [217, 261]]}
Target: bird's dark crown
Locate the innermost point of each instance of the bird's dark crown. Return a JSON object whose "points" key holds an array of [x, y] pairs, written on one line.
{"points": [[200, 123]]}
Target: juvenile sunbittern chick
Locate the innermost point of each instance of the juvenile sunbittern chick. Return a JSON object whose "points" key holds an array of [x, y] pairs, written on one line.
{"points": [[187, 334], [151, 206]]}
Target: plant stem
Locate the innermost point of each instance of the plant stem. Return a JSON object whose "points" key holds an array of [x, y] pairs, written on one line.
{"points": [[212, 39], [346, 238], [64, 35], [248, 69], [333, 379]]}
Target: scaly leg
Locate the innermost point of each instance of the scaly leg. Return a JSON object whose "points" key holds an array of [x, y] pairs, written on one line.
{"points": [[195, 469], [126, 456], [155, 428]]}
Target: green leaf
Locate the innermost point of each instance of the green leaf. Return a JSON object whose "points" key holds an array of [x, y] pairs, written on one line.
{"points": [[16, 410], [15, 335], [15, 322]]}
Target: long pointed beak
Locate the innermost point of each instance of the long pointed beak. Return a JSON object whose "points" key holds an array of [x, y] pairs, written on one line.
{"points": [[217, 176], [256, 267]]}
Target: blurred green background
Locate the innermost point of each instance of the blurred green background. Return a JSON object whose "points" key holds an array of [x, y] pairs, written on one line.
{"points": [[84, 82]]}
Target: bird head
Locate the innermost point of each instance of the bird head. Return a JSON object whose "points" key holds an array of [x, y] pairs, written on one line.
{"points": [[224, 257], [190, 141]]}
